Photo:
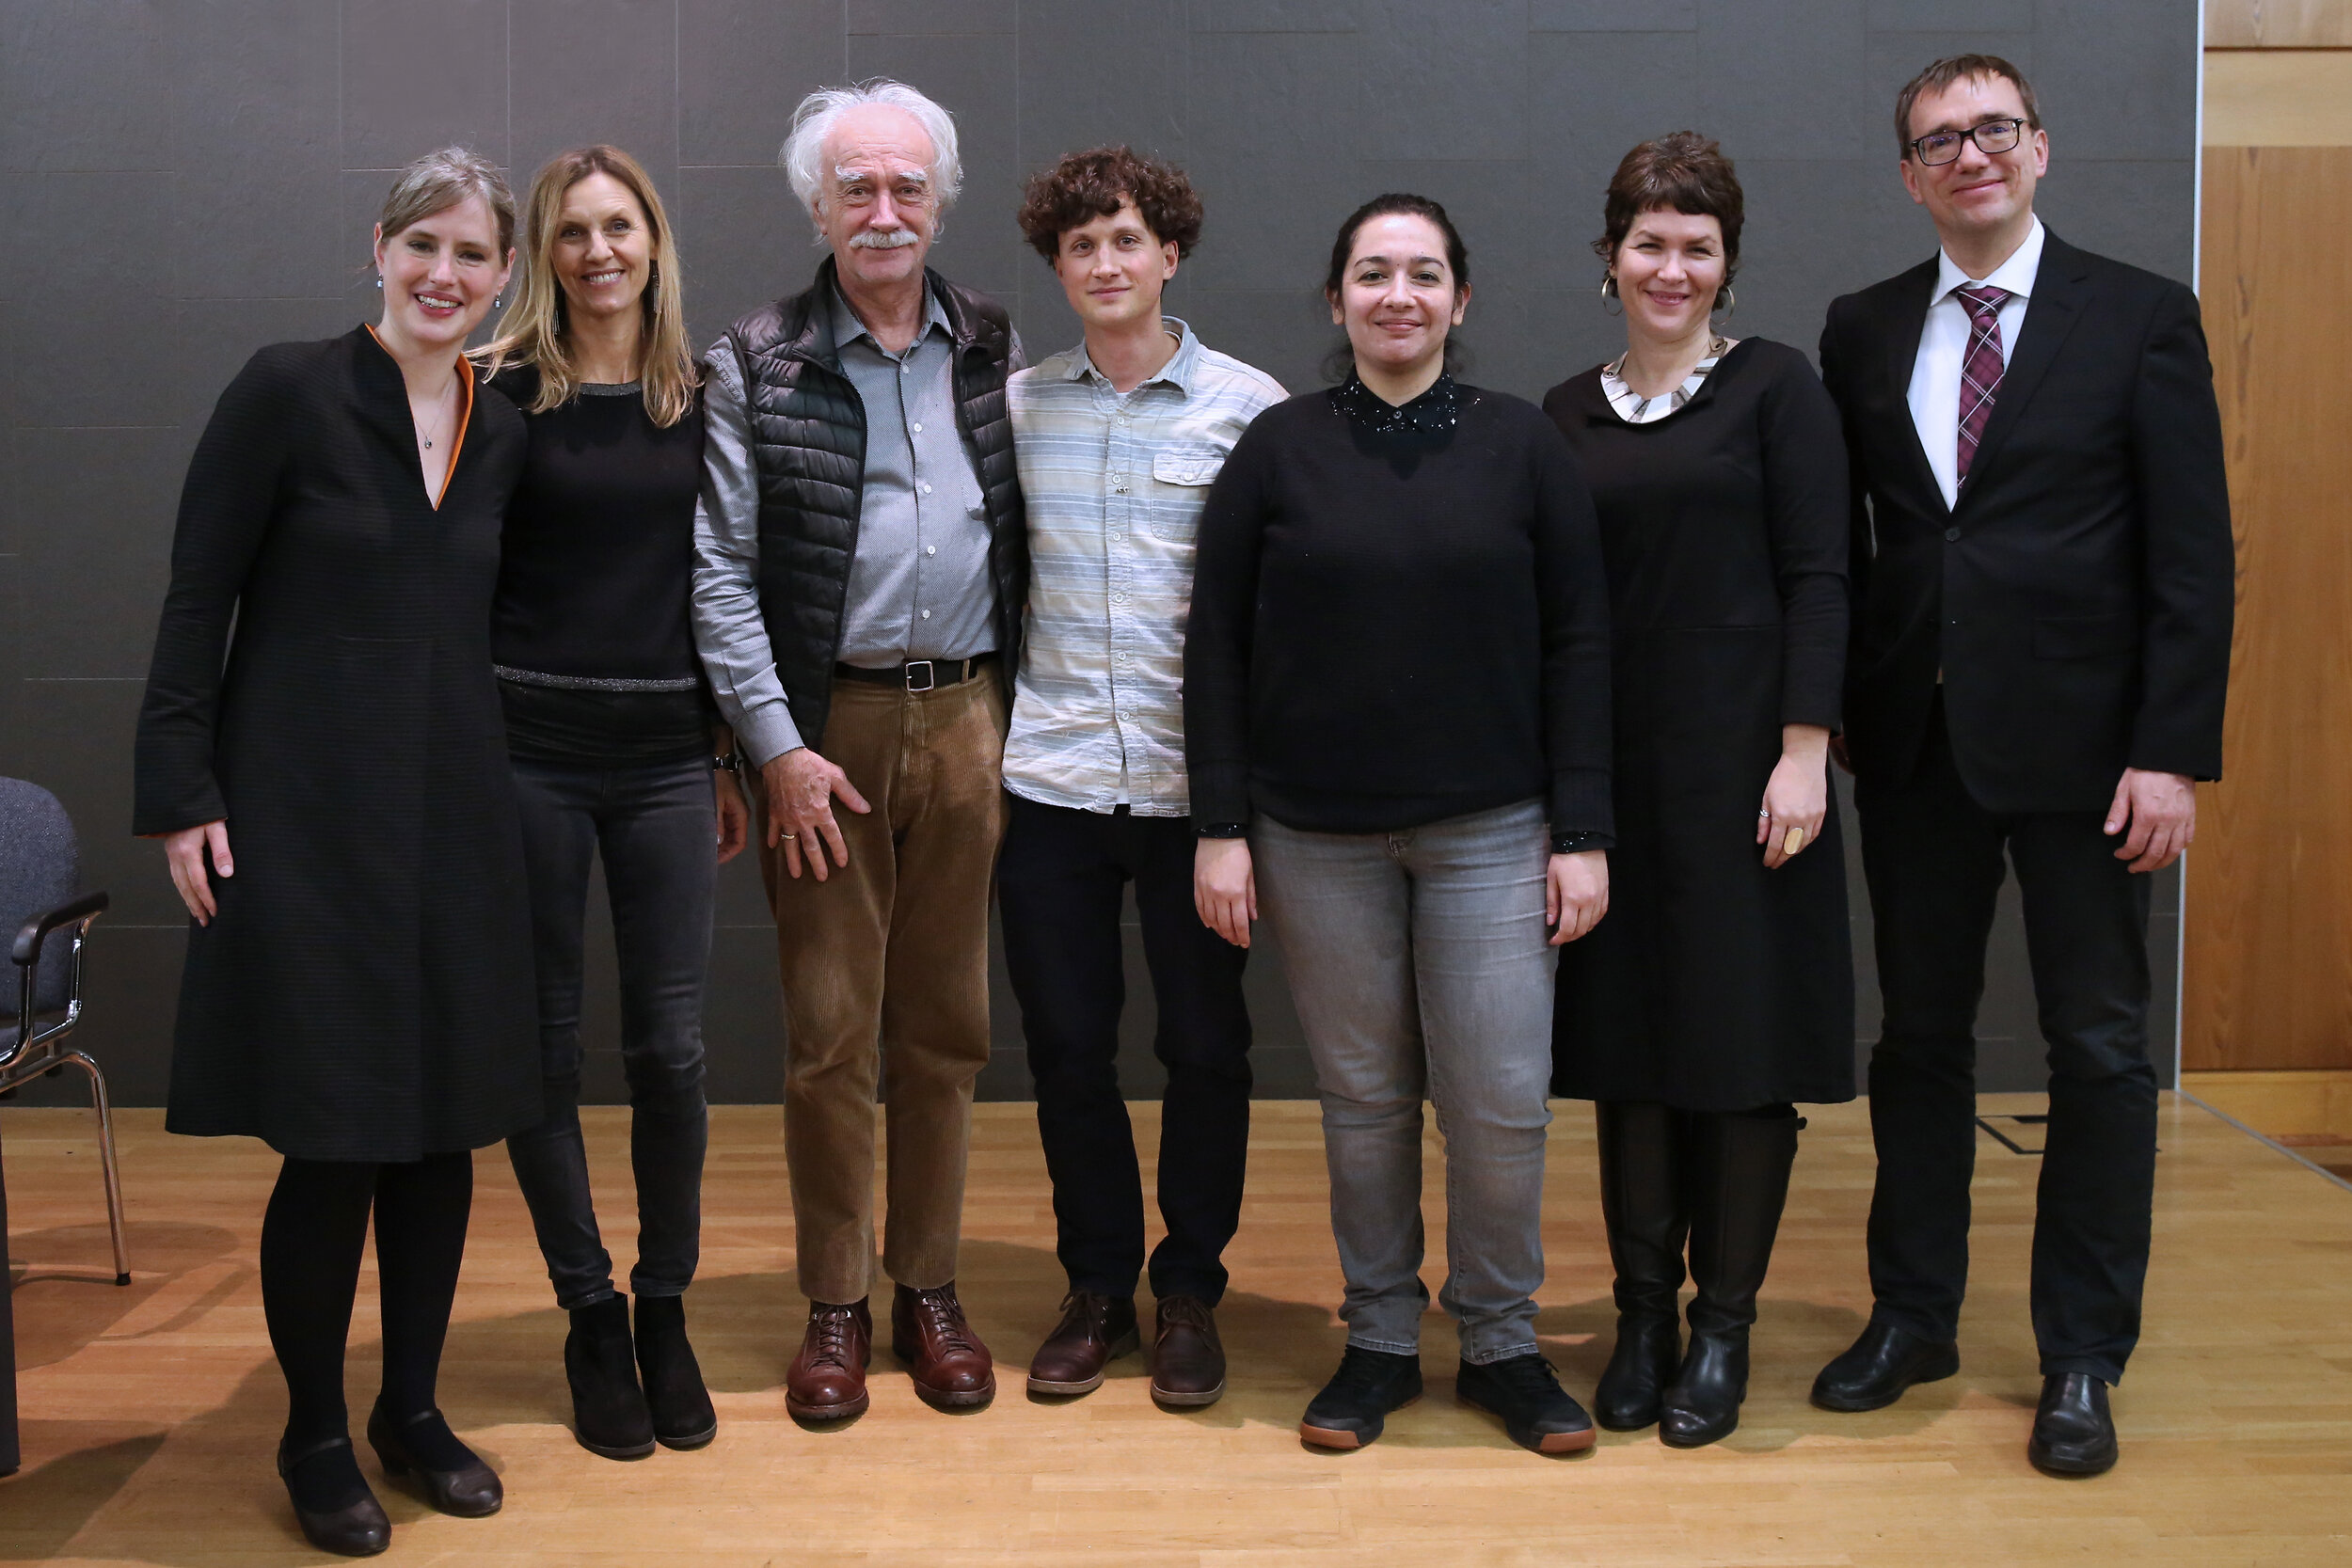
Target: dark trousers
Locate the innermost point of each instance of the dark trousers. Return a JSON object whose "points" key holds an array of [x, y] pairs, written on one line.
{"points": [[1058, 886], [1934, 859], [656, 825]]}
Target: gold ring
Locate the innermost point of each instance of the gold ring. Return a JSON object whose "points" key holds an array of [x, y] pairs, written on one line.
{"points": [[1794, 842]]}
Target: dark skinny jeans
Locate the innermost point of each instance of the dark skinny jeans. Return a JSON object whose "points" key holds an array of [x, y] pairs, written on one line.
{"points": [[656, 826]]}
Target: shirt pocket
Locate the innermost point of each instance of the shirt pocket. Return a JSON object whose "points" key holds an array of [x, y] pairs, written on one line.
{"points": [[1182, 473]]}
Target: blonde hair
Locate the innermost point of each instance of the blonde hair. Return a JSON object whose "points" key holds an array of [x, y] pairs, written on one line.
{"points": [[533, 331]]}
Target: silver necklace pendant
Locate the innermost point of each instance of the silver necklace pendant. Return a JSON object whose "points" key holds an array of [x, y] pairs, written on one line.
{"points": [[428, 443]]}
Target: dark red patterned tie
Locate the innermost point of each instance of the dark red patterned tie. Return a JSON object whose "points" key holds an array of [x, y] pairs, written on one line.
{"points": [[1980, 368]]}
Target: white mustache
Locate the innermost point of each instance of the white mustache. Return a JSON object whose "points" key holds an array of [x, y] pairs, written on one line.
{"points": [[881, 239]]}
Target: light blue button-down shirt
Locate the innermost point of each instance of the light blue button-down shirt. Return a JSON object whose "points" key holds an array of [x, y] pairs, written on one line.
{"points": [[1114, 486]]}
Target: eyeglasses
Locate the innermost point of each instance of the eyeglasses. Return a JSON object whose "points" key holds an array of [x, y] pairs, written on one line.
{"points": [[1992, 139]]}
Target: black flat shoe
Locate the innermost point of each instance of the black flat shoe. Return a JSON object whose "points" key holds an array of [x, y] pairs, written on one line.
{"points": [[1353, 1407], [347, 1524], [680, 1405], [1633, 1389], [2073, 1433], [1702, 1405], [1877, 1368], [1525, 1393], [455, 1480], [609, 1413]]}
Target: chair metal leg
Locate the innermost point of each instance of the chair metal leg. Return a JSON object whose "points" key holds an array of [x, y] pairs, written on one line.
{"points": [[100, 1103]]}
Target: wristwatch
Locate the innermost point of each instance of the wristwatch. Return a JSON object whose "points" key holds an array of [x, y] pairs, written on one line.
{"points": [[731, 763]]}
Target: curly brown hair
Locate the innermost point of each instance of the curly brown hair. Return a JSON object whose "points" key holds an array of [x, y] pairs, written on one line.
{"points": [[1680, 172], [1084, 187]]}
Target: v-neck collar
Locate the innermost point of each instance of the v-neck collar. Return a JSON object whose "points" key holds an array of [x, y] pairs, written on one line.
{"points": [[465, 415]]}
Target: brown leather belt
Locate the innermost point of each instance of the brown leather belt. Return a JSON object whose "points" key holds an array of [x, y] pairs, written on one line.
{"points": [[919, 674]]}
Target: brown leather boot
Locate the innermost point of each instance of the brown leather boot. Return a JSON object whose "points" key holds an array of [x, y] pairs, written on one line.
{"points": [[1095, 1330], [951, 1369], [1188, 1357], [827, 1379]]}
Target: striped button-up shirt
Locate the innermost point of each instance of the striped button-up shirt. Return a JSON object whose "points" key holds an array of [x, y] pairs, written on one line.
{"points": [[1114, 487]]}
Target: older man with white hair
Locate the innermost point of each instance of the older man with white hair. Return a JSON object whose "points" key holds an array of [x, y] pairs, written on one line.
{"points": [[860, 570]]}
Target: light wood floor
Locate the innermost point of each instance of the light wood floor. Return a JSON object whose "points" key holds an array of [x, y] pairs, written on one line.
{"points": [[150, 1411]]}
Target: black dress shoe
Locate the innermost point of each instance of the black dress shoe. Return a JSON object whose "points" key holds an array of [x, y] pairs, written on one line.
{"points": [[1702, 1405], [2072, 1433], [1525, 1392], [682, 1414], [454, 1477], [609, 1413], [1632, 1388], [332, 1500], [1352, 1406], [1877, 1368]]}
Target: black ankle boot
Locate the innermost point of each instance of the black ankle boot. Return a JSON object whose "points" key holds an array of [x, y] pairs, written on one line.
{"points": [[682, 1416], [1640, 1200], [1739, 1182], [609, 1413]]}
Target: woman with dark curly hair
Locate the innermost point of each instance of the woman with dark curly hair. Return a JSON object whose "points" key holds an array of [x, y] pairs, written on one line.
{"points": [[1719, 989], [1119, 439]]}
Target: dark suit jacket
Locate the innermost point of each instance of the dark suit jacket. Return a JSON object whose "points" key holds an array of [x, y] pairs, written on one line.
{"points": [[2078, 598]]}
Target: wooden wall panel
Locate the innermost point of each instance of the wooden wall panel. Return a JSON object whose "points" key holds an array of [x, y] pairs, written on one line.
{"points": [[2267, 979], [2278, 24]]}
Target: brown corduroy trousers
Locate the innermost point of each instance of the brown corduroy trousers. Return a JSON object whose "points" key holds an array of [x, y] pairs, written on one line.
{"points": [[884, 967]]}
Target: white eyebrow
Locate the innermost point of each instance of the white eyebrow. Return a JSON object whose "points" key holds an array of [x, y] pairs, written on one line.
{"points": [[845, 174]]}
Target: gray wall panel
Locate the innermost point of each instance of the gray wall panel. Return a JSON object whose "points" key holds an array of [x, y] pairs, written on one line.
{"points": [[199, 179]]}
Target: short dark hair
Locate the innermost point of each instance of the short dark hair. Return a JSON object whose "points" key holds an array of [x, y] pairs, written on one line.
{"points": [[1679, 172], [1084, 187], [1397, 204], [1955, 67]]}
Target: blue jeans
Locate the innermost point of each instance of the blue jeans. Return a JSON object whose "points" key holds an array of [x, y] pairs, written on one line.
{"points": [[657, 826], [1420, 963]]}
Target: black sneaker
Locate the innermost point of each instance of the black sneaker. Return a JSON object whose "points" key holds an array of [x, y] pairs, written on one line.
{"points": [[1525, 1392], [1369, 1383]]}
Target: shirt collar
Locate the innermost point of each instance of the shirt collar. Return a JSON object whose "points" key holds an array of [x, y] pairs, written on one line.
{"points": [[1438, 409], [2016, 275], [934, 320], [1178, 372]]}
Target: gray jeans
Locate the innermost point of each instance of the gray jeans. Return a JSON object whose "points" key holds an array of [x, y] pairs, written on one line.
{"points": [[1418, 962]]}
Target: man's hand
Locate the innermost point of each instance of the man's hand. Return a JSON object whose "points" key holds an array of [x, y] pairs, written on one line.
{"points": [[1575, 894], [183, 851], [801, 788], [2160, 809], [1225, 888]]}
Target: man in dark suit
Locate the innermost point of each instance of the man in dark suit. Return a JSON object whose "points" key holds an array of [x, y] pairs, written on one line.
{"points": [[2042, 589]]}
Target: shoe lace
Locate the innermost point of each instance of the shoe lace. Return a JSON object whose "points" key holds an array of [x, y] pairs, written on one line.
{"points": [[1527, 1374], [1189, 1311], [944, 1315], [832, 1330], [1360, 1371], [1081, 1311]]}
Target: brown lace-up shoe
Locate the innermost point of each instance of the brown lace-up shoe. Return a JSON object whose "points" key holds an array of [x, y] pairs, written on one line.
{"points": [[952, 1369], [1095, 1330], [827, 1379], [1188, 1359]]}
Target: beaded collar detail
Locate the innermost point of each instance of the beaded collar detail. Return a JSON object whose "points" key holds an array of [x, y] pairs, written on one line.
{"points": [[1633, 408], [1437, 410]]}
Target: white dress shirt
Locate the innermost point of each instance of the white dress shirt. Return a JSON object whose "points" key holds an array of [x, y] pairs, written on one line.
{"points": [[1944, 344]]}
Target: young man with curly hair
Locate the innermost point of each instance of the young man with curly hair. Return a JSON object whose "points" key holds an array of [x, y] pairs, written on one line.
{"points": [[1118, 440]]}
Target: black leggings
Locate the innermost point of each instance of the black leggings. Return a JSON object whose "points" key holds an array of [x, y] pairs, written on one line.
{"points": [[312, 1242]]}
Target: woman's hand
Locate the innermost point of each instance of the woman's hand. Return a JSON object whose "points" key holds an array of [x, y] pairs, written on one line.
{"points": [[1575, 894], [735, 817], [1225, 888], [1796, 799], [183, 851]]}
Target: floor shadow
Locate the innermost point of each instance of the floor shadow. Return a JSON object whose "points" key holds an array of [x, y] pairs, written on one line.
{"points": [[42, 1509], [67, 1297]]}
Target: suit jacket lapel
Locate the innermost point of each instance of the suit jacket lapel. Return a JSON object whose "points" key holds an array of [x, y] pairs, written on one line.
{"points": [[1903, 328], [2060, 289]]}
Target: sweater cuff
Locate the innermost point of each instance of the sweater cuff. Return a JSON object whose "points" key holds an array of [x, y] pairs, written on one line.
{"points": [[1220, 792], [1579, 803]]}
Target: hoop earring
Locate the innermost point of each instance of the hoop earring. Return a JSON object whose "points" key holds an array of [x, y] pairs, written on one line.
{"points": [[1608, 294], [1726, 301]]}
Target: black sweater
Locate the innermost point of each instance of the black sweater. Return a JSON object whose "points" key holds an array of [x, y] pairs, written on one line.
{"points": [[1389, 629], [594, 579]]}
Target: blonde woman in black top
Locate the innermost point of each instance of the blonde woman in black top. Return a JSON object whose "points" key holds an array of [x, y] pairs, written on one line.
{"points": [[1720, 990], [613, 739]]}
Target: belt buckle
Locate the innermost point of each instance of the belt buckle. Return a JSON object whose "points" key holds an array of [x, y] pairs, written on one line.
{"points": [[930, 678]]}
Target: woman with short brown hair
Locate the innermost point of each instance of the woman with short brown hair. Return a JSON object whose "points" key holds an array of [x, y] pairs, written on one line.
{"points": [[1719, 989]]}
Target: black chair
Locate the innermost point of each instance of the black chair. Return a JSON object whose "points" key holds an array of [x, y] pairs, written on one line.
{"points": [[37, 871]]}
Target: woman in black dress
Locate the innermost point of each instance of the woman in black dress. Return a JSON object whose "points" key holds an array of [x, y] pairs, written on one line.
{"points": [[613, 739], [357, 987], [1719, 989]]}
